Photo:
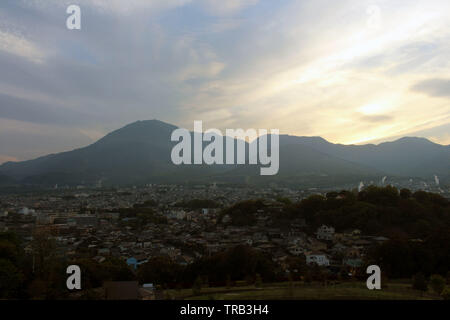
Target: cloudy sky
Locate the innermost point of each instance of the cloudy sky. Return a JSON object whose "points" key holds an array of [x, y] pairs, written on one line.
{"points": [[351, 71]]}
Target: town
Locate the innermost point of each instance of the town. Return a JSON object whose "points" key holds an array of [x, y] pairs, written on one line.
{"points": [[183, 224]]}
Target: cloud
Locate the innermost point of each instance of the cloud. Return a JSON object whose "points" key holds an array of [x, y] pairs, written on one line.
{"points": [[127, 7], [433, 87], [120, 7], [201, 71], [221, 7], [376, 118], [35, 112], [20, 46], [22, 140], [438, 134], [301, 66]]}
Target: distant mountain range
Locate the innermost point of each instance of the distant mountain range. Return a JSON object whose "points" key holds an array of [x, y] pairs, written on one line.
{"points": [[139, 153]]}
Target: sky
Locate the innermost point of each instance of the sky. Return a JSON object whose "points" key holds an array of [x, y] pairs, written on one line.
{"points": [[350, 71]]}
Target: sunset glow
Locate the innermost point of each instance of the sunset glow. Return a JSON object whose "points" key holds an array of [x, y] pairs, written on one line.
{"points": [[349, 71]]}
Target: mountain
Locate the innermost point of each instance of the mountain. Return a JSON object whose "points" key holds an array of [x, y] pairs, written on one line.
{"points": [[141, 153], [137, 153], [302, 165], [409, 156], [5, 180]]}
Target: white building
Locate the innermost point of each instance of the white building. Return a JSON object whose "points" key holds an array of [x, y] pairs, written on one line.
{"points": [[296, 250], [26, 211], [178, 214], [148, 286], [319, 259], [325, 233]]}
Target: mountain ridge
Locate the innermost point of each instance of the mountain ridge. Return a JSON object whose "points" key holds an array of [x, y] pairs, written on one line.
{"points": [[140, 152]]}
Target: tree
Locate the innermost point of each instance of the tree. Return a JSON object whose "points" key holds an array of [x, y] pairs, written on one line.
{"points": [[8, 250], [296, 265], [405, 193], [93, 274], [396, 258], [446, 293], [228, 282], [161, 270], [420, 283], [258, 281], [197, 286], [308, 277], [44, 250], [290, 288], [11, 280], [240, 263], [117, 270], [38, 289], [243, 213], [384, 196], [437, 283]]}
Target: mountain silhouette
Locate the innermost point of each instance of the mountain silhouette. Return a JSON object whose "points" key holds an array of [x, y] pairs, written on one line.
{"points": [[408, 156], [140, 153]]}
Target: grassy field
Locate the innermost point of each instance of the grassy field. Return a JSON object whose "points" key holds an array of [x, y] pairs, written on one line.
{"points": [[394, 290]]}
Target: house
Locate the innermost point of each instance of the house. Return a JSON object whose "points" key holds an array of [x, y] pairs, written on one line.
{"points": [[177, 214], [353, 262], [99, 259], [296, 250], [380, 239], [136, 261], [298, 223], [181, 260], [352, 252], [26, 211], [319, 259], [103, 252], [325, 233], [338, 247], [279, 256], [148, 286], [147, 292], [86, 221], [315, 245]]}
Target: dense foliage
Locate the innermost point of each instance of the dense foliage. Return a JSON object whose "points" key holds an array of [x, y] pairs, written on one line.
{"points": [[243, 213], [43, 275], [198, 204], [375, 211], [238, 263]]}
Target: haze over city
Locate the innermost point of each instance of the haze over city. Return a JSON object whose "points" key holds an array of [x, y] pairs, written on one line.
{"points": [[349, 71]]}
